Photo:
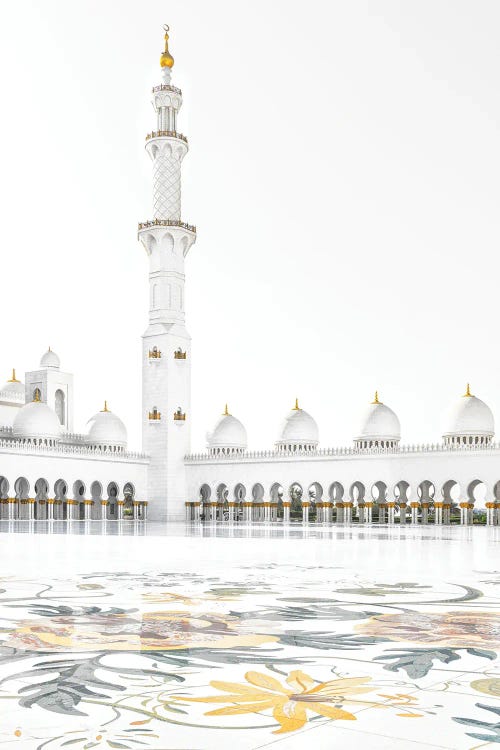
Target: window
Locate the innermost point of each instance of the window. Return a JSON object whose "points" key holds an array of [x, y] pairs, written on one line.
{"points": [[60, 406]]}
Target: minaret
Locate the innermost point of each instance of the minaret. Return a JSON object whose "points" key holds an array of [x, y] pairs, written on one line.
{"points": [[166, 350]]}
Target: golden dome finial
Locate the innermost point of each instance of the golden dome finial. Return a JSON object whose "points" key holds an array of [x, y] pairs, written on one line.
{"points": [[226, 413], [467, 392], [296, 407], [375, 400], [166, 59], [13, 378], [105, 406]]}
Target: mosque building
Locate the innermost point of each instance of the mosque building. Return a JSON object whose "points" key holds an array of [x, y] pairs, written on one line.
{"points": [[49, 472]]}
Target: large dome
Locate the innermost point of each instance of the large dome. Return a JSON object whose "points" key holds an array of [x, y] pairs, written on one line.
{"points": [[106, 429], [469, 418], [36, 420], [380, 424], [50, 360], [298, 430], [228, 435], [14, 388]]}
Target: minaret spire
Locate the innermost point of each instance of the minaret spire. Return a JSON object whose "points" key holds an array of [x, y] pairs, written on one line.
{"points": [[166, 59]]}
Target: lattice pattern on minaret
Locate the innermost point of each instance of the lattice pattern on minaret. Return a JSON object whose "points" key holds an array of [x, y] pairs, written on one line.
{"points": [[166, 187]]}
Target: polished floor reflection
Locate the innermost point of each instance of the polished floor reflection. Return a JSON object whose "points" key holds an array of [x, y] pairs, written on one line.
{"points": [[136, 635]]}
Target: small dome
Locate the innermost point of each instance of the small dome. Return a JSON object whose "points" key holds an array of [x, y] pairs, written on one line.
{"points": [[13, 387], [36, 420], [228, 434], [50, 359], [469, 417], [105, 428], [379, 422], [298, 429]]}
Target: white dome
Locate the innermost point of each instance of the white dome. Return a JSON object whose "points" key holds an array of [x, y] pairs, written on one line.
{"points": [[50, 359], [469, 416], [13, 387], [228, 433], [105, 428], [379, 422], [36, 420], [298, 428]]}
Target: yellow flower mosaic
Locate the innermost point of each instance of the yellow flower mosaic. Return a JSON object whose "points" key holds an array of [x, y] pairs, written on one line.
{"points": [[289, 702]]}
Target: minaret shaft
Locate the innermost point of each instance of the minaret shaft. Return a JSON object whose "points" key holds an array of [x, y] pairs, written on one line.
{"points": [[166, 343]]}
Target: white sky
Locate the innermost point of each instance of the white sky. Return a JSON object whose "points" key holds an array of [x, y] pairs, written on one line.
{"points": [[343, 176]]}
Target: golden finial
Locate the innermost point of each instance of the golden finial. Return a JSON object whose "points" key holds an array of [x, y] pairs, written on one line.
{"points": [[226, 413], [375, 400], [166, 59], [105, 407], [467, 392], [296, 407], [36, 395], [13, 378]]}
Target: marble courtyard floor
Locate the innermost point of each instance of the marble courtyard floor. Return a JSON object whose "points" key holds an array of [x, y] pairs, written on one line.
{"points": [[124, 635]]}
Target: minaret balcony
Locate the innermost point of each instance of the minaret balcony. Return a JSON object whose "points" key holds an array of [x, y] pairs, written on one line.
{"points": [[166, 223], [166, 134], [166, 87]]}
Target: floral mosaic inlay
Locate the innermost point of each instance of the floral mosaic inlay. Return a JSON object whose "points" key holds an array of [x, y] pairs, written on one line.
{"points": [[187, 660]]}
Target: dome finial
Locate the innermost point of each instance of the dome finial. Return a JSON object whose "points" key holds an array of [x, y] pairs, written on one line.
{"points": [[467, 392], [105, 406], [13, 378], [226, 413], [166, 59], [296, 407], [375, 400]]}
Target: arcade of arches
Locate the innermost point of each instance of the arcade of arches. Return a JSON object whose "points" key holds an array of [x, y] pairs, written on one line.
{"points": [[27, 500], [379, 503]]}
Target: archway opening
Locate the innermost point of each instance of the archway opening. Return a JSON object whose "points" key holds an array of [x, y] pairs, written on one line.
{"points": [[204, 496], [240, 494], [295, 493], [276, 494], [315, 494], [450, 492]]}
